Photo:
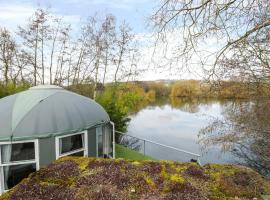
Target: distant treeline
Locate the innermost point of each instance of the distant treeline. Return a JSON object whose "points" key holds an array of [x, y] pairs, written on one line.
{"points": [[203, 89], [221, 89], [152, 89]]}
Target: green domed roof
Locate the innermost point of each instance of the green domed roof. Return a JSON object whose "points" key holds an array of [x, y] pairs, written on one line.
{"points": [[47, 110]]}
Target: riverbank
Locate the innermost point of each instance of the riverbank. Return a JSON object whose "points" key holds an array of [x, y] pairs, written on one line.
{"points": [[91, 178]]}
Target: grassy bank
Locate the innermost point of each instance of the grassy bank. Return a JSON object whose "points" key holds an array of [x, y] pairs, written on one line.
{"points": [[123, 152], [79, 178]]}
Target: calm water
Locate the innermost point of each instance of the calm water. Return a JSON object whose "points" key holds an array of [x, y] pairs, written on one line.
{"points": [[183, 123]]}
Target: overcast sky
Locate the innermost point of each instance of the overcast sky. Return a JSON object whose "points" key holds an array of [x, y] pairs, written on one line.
{"points": [[135, 12]]}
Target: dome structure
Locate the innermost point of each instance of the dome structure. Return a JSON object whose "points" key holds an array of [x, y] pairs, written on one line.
{"points": [[47, 110]]}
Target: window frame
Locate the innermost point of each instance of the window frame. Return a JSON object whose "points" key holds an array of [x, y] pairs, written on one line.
{"points": [[97, 142], [84, 149], [21, 162], [103, 135]]}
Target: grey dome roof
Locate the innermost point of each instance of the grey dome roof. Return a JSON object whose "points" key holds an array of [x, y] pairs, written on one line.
{"points": [[47, 110]]}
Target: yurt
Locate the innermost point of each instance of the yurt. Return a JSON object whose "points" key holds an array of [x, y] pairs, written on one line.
{"points": [[45, 123]]}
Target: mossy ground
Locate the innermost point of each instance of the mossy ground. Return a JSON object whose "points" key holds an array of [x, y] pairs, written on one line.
{"points": [[91, 178]]}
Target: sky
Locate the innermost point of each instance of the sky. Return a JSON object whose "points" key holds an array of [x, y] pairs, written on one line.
{"points": [[134, 12], [14, 12]]}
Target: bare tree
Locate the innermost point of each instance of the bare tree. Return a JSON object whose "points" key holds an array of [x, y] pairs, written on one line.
{"points": [[109, 38], [7, 54], [33, 36], [123, 46], [229, 24], [47, 51], [98, 34], [54, 36], [62, 58]]}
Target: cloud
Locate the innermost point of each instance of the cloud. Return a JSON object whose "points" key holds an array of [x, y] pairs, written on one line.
{"points": [[164, 61], [120, 4], [13, 15]]}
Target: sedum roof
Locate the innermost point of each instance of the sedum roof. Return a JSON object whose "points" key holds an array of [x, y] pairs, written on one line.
{"points": [[43, 111], [89, 178]]}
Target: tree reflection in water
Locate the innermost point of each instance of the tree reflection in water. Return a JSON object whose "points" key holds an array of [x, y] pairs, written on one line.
{"points": [[244, 130]]}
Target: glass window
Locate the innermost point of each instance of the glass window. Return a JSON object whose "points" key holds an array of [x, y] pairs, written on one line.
{"points": [[74, 145], [81, 153], [15, 173], [107, 140], [17, 152], [18, 160], [71, 143], [99, 141], [104, 141]]}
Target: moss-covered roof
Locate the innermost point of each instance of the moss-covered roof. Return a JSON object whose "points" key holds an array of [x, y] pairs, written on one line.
{"points": [[91, 178]]}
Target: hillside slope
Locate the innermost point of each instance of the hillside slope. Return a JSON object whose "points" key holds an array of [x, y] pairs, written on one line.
{"points": [[90, 178]]}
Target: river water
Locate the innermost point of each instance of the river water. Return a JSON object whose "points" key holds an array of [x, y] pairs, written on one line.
{"points": [[221, 131]]}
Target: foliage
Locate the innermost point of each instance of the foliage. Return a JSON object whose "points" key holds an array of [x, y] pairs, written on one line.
{"points": [[160, 88], [221, 89], [94, 178], [121, 99], [186, 88], [12, 88], [82, 89]]}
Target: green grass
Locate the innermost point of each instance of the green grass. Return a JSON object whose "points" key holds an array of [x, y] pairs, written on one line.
{"points": [[123, 152]]}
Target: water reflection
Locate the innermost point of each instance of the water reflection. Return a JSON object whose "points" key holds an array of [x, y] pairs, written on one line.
{"points": [[244, 130], [222, 131]]}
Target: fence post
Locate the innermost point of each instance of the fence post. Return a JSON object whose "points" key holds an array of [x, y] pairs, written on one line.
{"points": [[144, 147], [113, 142]]}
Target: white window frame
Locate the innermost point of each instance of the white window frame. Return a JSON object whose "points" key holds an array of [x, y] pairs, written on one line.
{"points": [[21, 162], [101, 127], [84, 149], [113, 139]]}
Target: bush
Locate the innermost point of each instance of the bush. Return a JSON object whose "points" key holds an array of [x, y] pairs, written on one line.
{"points": [[82, 89], [11, 88], [121, 99], [186, 88]]}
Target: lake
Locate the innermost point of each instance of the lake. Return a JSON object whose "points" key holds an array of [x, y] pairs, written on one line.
{"points": [[220, 131]]}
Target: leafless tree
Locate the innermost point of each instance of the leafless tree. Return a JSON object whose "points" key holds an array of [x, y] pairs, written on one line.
{"points": [[123, 47], [109, 38], [33, 36], [103, 49], [237, 29], [7, 54], [54, 36], [48, 51], [62, 58]]}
